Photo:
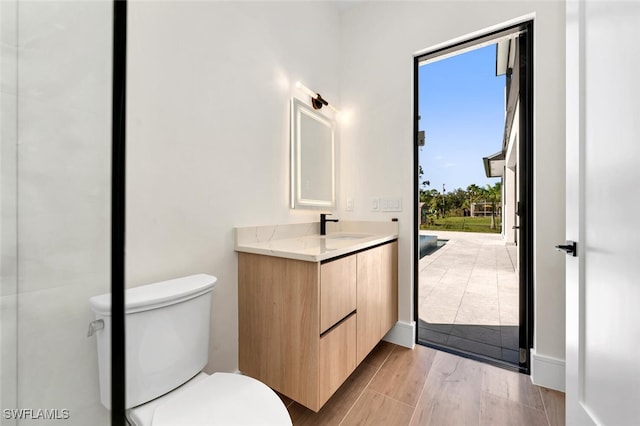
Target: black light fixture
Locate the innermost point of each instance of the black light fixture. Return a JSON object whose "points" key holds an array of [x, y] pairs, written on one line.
{"points": [[317, 101]]}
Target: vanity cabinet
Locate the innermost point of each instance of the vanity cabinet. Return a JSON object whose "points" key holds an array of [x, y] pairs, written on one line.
{"points": [[305, 326]]}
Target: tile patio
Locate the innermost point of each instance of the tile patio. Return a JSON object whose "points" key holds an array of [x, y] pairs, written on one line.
{"points": [[468, 295]]}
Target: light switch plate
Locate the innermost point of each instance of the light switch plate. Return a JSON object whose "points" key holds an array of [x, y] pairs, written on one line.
{"points": [[375, 205], [391, 204]]}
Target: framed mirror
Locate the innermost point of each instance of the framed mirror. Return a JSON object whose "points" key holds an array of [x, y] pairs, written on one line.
{"points": [[313, 182]]}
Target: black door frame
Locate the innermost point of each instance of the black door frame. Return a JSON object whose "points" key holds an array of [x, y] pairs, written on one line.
{"points": [[118, 177], [525, 166]]}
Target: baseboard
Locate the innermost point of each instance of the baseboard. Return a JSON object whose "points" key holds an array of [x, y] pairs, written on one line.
{"points": [[548, 372], [403, 334]]}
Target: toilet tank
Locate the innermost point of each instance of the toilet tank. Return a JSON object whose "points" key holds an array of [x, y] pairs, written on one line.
{"points": [[166, 335]]}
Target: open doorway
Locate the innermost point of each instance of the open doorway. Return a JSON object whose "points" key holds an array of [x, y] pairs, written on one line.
{"points": [[473, 246]]}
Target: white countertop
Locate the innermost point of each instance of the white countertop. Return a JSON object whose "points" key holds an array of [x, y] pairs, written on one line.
{"points": [[303, 241]]}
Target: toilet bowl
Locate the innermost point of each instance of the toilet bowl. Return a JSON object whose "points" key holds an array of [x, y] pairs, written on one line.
{"points": [[167, 343], [222, 398]]}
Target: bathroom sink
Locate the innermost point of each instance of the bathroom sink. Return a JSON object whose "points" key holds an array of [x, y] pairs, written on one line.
{"points": [[346, 236]]}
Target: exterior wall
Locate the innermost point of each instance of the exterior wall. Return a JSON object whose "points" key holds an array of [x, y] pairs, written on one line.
{"points": [[511, 184], [508, 213]]}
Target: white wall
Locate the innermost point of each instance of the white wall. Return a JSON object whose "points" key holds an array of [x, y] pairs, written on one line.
{"points": [[208, 93], [60, 132], [379, 40]]}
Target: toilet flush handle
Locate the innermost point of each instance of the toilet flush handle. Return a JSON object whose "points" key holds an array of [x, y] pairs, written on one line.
{"points": [[95, 326]]}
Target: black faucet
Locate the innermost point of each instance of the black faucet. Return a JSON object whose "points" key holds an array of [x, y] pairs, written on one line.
{"points": [[323, 222]]}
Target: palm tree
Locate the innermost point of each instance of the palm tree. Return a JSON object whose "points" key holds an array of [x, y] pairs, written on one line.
{"points": [[494, 195], [473, 191]]}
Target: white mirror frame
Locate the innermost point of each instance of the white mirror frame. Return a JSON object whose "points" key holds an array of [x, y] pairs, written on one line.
{"points": [[312, 188]]}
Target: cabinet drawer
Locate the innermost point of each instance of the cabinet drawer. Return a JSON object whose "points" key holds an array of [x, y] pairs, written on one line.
{"points": [[337, 291], [337, 357]]}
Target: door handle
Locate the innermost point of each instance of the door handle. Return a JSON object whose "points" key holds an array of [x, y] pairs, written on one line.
{"points": [[571, 247], [515, 227]]}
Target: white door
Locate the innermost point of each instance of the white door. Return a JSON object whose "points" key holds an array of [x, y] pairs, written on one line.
{"points": [[603, 212]]}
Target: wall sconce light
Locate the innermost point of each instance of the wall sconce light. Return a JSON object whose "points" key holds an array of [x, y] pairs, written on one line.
{"points": [[317, 101]]}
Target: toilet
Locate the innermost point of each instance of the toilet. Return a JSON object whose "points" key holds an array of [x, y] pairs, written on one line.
{"points": [[167, 345]]}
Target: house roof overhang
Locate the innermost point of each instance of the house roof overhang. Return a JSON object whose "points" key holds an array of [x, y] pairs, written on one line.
{"points": [[494, 164]]}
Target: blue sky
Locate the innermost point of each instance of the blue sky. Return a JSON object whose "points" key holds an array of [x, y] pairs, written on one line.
{"points": [[461, 104]]}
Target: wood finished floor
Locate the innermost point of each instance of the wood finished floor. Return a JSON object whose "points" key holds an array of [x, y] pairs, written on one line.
{"points": [[399, 386]]}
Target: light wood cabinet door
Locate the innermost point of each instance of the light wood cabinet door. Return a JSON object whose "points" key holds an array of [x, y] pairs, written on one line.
{"points": [[377, 296], [337, 291], [389, 287], [278, 324], [337, 357], [368, 302]]}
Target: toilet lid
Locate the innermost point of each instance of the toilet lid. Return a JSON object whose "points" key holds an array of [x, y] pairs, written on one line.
{"points": [[223, 399]]}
